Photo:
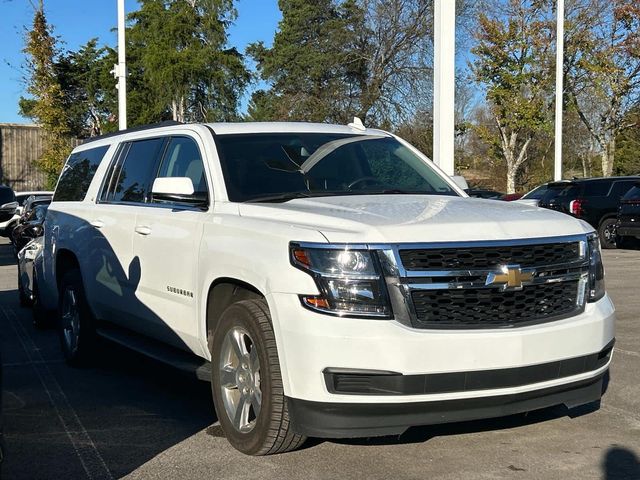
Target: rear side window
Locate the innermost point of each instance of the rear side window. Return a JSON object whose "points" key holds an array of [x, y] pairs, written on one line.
{"points": [[621, 187], [597, 189], [77, 174], [131, 178], [633, 194]]}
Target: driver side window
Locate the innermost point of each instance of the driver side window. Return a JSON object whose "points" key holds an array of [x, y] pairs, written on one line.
{"points": [[183, 159]]}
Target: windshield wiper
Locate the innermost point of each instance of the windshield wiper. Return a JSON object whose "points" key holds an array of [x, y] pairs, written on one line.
{"points": [[282, 197]]}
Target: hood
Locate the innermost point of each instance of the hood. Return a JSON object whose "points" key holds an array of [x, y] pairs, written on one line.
{"points": [[415, 218]]}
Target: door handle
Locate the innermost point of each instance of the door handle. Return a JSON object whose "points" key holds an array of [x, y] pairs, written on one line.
{"points": [[97, 223], [143, 230]]}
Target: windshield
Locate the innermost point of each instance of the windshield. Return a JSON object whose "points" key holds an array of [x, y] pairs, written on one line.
{"points": [[272, 167]]}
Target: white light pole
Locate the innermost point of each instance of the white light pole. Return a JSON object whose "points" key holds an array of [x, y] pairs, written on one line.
{"points": [[444, 84], [120, 70], [557, 163]]}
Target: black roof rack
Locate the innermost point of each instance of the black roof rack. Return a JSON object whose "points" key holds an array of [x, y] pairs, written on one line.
{"points": [[167, 123]]}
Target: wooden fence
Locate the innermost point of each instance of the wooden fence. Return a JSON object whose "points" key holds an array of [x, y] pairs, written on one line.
{"points": [[20, 147]]}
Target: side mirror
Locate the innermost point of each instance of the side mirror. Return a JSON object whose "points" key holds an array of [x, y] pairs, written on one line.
{"points": [[460, 182], [7, 211], [177, 189]]}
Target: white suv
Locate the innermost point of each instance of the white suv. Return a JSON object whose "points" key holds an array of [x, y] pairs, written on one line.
{"points": [[330, 281]]}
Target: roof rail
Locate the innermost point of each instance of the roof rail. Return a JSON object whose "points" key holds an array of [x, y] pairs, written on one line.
{"points": [[166, 123]]}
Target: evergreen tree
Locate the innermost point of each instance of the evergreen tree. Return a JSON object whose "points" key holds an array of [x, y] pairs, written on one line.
{"points": [[310, 66], [46, 105], [180, 65]]}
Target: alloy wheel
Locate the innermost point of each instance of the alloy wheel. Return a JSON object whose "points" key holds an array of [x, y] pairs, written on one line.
{"points": [[240, 379]]}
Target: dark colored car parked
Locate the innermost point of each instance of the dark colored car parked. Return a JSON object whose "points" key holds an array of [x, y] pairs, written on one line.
{"points": [[594, 200], [8, 203], [628, 226], [484, 193]]}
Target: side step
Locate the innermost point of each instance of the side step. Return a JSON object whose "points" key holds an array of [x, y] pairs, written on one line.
{"points": [[178, 359]]}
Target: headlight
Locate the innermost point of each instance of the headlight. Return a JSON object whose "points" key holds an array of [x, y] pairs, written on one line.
{"points": [[596, 270], [350, 281]]}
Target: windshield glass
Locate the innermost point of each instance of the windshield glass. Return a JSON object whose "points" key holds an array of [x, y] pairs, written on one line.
{"points": [[264, 167]]}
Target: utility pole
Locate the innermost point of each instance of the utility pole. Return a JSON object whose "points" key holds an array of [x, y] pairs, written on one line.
{"points": [[557, 162], [444, 84], [120, 70]]}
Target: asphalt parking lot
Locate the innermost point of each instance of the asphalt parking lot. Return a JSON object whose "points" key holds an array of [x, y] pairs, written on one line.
{"points": [[128, 417]]}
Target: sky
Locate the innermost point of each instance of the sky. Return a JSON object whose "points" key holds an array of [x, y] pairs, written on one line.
{"points": [[77, 21]]}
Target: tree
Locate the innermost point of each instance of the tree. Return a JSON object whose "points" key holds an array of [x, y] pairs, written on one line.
{"points": [[309, 67], [180, 65], [331, 60], [603, 69], [513, 64], [46, 105], [89, 96]]}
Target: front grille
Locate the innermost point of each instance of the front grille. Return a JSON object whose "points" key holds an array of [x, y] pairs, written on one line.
{"points": [[493, 307], [490, 257]]}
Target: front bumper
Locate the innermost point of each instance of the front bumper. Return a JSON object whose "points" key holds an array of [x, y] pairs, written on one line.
{"points": [[348, 420], [309, 343]]}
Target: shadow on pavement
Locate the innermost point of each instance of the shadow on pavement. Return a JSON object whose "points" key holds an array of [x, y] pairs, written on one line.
{"points": [[122, 410], [620, 464]]}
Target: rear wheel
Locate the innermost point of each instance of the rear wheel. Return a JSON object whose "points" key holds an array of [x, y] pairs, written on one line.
{"points": [[25, 301], [41, 316], [607, 233], [76, 325], [246, 382]]}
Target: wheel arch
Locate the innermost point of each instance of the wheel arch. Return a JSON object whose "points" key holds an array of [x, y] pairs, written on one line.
{"points": [[65, 260], [223, 292], [608, 216]]}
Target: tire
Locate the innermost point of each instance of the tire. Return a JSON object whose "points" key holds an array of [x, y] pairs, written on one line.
{"points": [[25, 301], [76, 325], [607, 233], [245, 327], [41, 317]]}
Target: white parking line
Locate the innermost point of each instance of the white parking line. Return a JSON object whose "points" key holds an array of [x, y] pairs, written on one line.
{"points": [[87, 452]]}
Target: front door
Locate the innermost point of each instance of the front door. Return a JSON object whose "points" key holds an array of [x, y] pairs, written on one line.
{"points": [[165, 246]]}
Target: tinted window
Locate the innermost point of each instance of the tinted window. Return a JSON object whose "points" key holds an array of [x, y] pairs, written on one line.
{"points": [[132, 179], [77, 174], [183, 160], [260, 165], [560, 192], [633, 194], [6, 195], [597, 189], [621, 187], [536, 193]]}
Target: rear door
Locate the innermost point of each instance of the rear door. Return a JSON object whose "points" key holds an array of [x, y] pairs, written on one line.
{"points": [[115, 272], [165, 246]]}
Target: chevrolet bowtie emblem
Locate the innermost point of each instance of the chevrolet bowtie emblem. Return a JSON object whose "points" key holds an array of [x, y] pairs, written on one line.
{"points": [[510, 276]]}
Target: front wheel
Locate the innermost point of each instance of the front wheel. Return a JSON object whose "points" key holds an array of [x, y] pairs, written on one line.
{"points": [[75, 320], [246, 382], [607, 233]]}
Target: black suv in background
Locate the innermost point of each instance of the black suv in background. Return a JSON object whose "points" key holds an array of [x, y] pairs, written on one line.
{"points": [[628, 225], [594, 200]]}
